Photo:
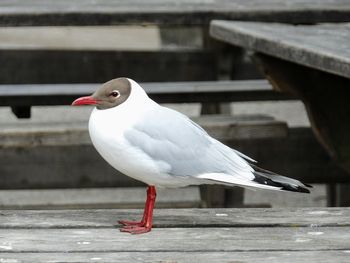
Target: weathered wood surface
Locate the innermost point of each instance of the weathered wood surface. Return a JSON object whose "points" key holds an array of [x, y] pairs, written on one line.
{"points": [[313, 218], [209, 235], [169, 92], [80, 12], [212, 239], [339, 256], [324, 47]]}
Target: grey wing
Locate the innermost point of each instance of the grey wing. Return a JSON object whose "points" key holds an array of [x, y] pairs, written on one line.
{"points": [[171, 137]]}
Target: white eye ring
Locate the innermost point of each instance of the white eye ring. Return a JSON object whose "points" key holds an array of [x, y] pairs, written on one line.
{"points": [[115, 93]]}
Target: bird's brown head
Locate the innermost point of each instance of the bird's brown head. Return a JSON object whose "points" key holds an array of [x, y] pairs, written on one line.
{"points": [[109, 95]]}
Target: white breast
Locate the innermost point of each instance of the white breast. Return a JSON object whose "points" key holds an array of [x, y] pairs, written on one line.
{"points": [[107, 128]]}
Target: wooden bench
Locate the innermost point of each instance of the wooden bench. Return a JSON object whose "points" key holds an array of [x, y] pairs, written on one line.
{"points": [[23, 66], [21, 97], [179, 235], [60, 155], [311, 62], [73, 162]]}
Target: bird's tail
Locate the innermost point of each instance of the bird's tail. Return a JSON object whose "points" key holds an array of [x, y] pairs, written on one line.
{"points": [[266, 177], [260, 178]]}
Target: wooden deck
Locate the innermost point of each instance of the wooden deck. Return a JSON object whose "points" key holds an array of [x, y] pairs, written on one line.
{"points": [[179, 235]]}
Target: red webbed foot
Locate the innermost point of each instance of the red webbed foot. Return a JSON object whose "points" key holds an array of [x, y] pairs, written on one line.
{"points": [[136, 229], [145, 225]]}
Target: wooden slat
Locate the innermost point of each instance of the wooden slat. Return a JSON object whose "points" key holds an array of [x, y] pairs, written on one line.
{"points": [[176, 239], [222, 127], [80, 12], [27, 149], [79, 165], [201, 256], [315, 46], [170, 92], [207, 235], [131, 197], [312, 218], [89, 66]]}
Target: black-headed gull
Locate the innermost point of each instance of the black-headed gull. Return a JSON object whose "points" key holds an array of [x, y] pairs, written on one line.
{"points": [[164, 148]]}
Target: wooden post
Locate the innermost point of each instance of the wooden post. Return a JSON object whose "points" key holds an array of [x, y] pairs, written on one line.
{"points": [[338, 195], [223, 64]]}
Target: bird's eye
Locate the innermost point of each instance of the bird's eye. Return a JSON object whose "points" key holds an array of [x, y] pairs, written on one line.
{"points": [[115, 93]]}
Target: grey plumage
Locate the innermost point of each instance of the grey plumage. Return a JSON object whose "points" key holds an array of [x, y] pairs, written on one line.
{"points": [[184, 146]]}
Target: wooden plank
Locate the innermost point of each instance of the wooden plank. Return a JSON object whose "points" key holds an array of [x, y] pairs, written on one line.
{"points": [[340, 256], [88, 66], [79, 165], [315, 46], [131, 197], [169, 92], [80, 12], [209, 239], [27, 150], [311, 218], [221, 127]]}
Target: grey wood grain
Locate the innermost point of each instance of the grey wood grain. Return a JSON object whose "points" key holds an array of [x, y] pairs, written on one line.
{"points": [[324, 47], [339, 256], [207, 239], [169, 92], [80, 12], [233, 217]]}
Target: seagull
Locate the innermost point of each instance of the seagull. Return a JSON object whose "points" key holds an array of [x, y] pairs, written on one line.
{"points": [[164, 148]]}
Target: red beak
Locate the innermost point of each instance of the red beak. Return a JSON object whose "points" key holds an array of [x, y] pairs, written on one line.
{"points": [[88, 100]]}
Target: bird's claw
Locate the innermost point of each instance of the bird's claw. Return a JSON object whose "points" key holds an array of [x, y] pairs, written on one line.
{"points": [[135, 229]]}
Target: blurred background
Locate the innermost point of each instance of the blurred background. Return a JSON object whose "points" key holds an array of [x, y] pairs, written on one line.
{"points": [[48, 162]]}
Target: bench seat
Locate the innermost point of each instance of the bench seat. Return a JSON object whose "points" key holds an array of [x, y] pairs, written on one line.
{"points": [[169, 92]]}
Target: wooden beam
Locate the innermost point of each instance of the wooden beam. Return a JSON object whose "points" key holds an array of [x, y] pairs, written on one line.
{"points": [[108, 12]]}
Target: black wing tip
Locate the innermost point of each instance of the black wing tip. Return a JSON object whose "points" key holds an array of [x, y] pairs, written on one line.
{"points": [[298, 189], [265, 180], [308, 185]]}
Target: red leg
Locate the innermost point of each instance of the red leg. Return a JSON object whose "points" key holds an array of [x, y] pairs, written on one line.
{"points": [[145, 225], [143, 220]]}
